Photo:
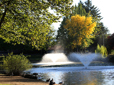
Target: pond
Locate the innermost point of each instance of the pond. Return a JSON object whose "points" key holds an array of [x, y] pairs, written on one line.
{"points": [[93, 75], [68, 69]]}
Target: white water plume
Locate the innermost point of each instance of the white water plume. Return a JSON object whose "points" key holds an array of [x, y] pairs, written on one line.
{"points": [[62, 59], [85, 59], [54, 57]]}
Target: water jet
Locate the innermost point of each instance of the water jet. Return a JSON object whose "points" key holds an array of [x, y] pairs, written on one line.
{"points": [[54, 59], [84, 58], [74, 75], [61, 59]]}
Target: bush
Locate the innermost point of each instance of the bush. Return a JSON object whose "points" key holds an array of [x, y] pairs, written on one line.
{"points": [[112, 52], [15, 63], [102, 50]]}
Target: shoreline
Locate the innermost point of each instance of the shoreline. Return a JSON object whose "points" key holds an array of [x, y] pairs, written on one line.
{"points": [[19, 80]]}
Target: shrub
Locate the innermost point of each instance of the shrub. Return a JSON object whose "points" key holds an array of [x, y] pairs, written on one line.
{"points": [[112, 52], [15, 63], [102, 50]]}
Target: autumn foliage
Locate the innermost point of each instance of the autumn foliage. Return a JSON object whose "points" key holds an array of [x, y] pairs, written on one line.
{"points": [[80, 28]]}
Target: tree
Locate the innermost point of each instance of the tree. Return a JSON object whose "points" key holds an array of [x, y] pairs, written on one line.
{"points": [[51, 39], [95, 12], [79, 10], [28, 21], [63, 37], [80, 28], [100, 36], [18, 48], [100, 30]]}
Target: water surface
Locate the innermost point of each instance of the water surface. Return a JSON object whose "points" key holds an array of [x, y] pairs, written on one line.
{"points": [[93, 75]]}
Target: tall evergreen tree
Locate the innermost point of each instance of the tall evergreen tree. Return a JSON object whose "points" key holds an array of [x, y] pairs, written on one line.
{"points": [[102, 35], [62, 35], [79, 10], [95, 12]]}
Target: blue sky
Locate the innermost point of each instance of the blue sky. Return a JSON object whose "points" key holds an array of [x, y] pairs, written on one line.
{"points": [[106, 9]]}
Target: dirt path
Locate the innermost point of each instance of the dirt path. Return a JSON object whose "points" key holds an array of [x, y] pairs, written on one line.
{"points": [[18, 80]]}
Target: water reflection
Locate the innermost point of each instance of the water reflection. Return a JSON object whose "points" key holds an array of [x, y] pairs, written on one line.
{"points": [[78, 77]]}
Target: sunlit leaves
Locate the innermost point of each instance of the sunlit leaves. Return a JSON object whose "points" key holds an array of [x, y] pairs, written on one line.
{"points": [[28, 21], [81, 29]]}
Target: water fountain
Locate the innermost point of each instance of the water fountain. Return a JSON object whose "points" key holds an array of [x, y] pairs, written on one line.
{"points": [[85, 59], [74, 75], [54, 59], [62, 59]]}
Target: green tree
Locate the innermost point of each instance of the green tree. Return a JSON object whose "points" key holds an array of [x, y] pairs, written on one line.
{"points": [[102, 50], [62, 36], [101, 35], [100, 31], [79, 10], [15, 63], [51, 40], [95, 12], [28, 21]]}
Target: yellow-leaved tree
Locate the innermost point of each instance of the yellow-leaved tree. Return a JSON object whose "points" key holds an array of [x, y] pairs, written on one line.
{"points": [[81, 29]]}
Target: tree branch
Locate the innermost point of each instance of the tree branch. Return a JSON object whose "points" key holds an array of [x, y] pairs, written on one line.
{"points": [[4, 14]]}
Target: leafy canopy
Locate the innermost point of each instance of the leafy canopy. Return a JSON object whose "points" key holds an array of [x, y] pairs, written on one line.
{"points": [[81, 29], [28, 21]]}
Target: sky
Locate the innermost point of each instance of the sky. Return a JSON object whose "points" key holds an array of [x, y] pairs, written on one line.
{"points": [[106, 10]]}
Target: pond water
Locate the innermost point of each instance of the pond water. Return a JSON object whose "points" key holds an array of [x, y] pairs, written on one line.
{"points": [[93, 75], [75, 74]]}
